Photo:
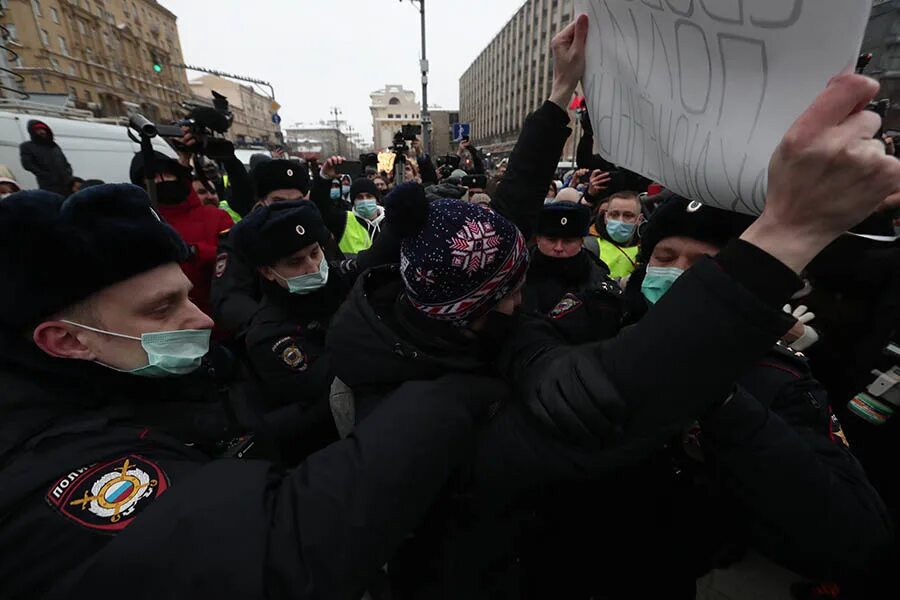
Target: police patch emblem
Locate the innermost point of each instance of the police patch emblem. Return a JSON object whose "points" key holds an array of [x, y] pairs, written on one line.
{"points": [[291, 354], [567, 305], [108, 496], [221, 264]]}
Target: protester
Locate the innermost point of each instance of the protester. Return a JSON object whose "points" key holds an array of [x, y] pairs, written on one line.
{"points": [[45, 159], [381, 184], [551, 192], [92, 484], [200, 225], [75, 184]]}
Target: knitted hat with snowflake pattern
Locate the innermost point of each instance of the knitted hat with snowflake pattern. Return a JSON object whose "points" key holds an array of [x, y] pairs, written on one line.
{"points": [[458, 260]]}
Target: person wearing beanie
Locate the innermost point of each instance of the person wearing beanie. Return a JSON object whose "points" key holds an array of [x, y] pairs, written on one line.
{"points": [[355, 230], [236, 286], [568, 284], [199, 224], [618, 242], [43, 157], [107, 450]]}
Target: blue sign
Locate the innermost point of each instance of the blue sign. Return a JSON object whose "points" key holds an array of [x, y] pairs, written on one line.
{"points": [[461, 130], [276, 118]]}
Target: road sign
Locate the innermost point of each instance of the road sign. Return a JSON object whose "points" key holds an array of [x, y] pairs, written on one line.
{"points": [[276, 118], [275, 106], [461, 130]]}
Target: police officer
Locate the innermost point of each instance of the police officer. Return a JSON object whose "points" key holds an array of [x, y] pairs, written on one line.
{"points": [[236, 289], [301, 292], [93, 344], [568, 284]]}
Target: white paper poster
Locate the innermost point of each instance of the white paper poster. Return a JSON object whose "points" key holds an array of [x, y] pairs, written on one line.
{"points": [[696, 94]]}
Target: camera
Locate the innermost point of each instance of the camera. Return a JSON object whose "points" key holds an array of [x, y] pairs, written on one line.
{"points": [[202, 122]]}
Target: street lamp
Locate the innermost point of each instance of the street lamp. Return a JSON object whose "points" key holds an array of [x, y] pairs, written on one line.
{"points": [[337, 128], [423, 64]]}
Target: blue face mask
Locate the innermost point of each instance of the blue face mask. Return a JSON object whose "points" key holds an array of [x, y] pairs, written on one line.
{"points": [[335, 193], [345, 190], [366, 208], [168, 352], [658, 281], [309, 283], [620, 231]]}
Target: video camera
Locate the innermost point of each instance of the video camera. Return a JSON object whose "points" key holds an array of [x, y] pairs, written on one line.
{"points": [[447, 164], [408, 133], [202, 122]]}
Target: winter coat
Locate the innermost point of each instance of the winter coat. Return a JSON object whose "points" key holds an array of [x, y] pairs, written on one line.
{"points": [[89, 486], [46, 160], [200, 226]]}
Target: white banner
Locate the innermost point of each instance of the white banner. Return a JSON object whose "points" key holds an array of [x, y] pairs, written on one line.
{"points": [[696, 94]]}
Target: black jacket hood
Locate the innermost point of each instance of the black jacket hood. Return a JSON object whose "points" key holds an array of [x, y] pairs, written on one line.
{"points": [[390, 348], [34, 138]]}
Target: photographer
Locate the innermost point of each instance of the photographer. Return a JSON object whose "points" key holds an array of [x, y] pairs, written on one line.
{"points": [[198, 224], [469, 157]]}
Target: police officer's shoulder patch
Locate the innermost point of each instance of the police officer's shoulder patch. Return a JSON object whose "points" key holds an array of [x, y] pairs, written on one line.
{"points": [[106, 497], [836, 431], [221, 264], [569, 304], [291, 354]]}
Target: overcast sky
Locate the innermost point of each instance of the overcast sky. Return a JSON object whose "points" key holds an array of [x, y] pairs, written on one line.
{"points": [[335, 52]]}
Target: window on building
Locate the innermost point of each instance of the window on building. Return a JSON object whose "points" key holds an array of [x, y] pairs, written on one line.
{"points": [[86, 6], [72, 70], [106, 39], [393, 101], [13, 34], [54, 15], [45, 38], [73, 93], [55, 64], [87, 94], [36, 7], [81, 28], [390, 116], [63, 48]]}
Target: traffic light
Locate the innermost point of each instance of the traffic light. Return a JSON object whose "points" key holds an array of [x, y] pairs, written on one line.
{"points": [[157, 65]]}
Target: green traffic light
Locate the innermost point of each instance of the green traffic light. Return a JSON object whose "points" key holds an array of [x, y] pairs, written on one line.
{"points": [[157, 68]]}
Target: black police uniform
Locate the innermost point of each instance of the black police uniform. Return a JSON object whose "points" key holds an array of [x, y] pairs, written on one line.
{"points": [[236, 289], [93, 493]]}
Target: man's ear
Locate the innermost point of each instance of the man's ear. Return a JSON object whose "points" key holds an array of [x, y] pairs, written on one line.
{"points": [[61, 340], [267, 273]]}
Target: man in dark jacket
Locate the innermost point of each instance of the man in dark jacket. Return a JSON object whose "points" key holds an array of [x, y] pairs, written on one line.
{"points": [[45, 159], [90, 486], [768, 469]]}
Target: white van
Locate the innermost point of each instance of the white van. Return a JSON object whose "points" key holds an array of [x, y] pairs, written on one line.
{"points": [[95, 150]]}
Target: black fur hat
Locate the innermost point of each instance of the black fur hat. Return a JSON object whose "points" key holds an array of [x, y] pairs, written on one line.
{"points": [[274, 175], [273, 232], [55, 252], [563, 220]]}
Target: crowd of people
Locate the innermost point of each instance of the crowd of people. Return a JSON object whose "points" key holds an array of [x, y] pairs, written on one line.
{"points": [[448, 381]]}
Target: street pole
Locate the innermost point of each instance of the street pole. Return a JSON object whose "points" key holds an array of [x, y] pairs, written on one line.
{"points": [[426, 116], [337, 129]]}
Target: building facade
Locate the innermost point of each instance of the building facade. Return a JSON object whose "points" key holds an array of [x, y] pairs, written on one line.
{"points": [[252, 111], [442, 122], [513, 75], [392, 108], [100, 52], [322, 140], [883, 41]]}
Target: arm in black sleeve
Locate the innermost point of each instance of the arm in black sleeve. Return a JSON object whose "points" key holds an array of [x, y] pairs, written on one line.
{"points": [[243, 196], [234, 292], [520, 194], [427, 171], [810, 504], [334, 216], [584, 156], [477, 161], [318, 531], [699, 339]]}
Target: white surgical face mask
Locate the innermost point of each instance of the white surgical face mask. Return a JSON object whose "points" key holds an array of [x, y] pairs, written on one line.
{"points": [[168, 352]]}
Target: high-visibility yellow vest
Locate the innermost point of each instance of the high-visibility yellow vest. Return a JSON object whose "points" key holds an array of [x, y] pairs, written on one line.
{"points": [[355, 238], [620, 260]]}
